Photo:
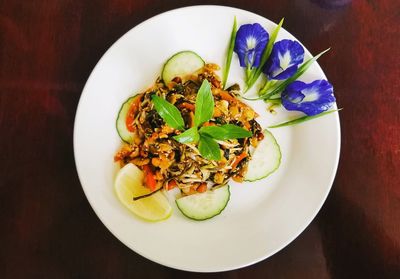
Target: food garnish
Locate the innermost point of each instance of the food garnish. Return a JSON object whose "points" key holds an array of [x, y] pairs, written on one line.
{"points": [[205, 205], [204, 110], [168, 112], [251, 39], [181, 64], [150, 206], [303, 119], [266, 158], [310, 98], [229, 54], [190, 132], [282, 64]]}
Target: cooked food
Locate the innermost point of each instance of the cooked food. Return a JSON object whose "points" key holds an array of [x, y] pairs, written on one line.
{"points": [[168, 163]]}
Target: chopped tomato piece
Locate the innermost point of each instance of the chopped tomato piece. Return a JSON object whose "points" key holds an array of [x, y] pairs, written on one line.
{"points": [[130, 117], [188, 106], [227, 97], [239, 159], [202, 188], [171, 185], [208, 123], [149, 178]]}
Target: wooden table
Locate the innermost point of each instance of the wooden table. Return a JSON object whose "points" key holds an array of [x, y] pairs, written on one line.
{"points": [[47, 51]]}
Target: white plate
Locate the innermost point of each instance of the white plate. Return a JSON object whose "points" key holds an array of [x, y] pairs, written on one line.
{"points": [[262, 217]]}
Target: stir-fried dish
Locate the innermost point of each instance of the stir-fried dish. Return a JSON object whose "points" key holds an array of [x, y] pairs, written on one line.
{"points": [[167, 163], [187, 132]]}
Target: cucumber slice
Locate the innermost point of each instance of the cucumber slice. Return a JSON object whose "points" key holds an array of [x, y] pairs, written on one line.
{"points": [[205, 205], [122, 130], [265, 160], [180, 65]]}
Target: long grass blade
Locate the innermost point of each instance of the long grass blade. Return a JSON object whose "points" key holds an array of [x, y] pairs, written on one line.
{"points": [[228, 61], [303, 119]]}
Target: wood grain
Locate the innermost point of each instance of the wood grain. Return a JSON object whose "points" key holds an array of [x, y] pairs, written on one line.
{"points": [[47, 51]]}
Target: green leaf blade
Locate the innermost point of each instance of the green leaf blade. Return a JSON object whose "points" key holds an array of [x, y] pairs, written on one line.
{"points": [[225, 132], [236, 132], [230, 53], [168, 112], [209, 148], [268, 50], [204, 104], [303, 119], [189, 136], [215, 132]]}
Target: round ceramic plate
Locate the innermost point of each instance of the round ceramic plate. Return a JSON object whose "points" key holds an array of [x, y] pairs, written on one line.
{"points": [[262, 217]]}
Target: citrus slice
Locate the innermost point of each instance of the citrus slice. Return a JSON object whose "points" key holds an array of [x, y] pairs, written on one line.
{"points": [[129, 184]]}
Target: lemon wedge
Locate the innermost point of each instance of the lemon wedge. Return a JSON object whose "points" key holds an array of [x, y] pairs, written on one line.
{"points": [[129, 184]]}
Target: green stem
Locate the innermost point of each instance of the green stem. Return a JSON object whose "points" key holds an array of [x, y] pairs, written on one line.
{"points": [[230, 53], [248, 73], [274, 102], [303, 119], [266, 86]]}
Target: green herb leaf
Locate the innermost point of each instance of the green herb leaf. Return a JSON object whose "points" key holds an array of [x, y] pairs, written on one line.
{"points": [[204, 104], [230, 53], [267, 52], [189, 136], [303, 119], [168, 112], [209, 148], [225, 132]]}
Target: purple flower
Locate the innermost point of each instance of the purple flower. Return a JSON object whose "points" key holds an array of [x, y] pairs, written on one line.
{"points": [[251, 40], [285, 57], [312, 98]]}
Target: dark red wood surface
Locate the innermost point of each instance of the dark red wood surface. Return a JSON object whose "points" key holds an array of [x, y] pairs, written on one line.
{"points": [[48, 229]]}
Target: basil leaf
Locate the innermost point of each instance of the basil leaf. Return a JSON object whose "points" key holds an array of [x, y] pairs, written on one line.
{"points": [[230, 53], [302, 119], [209, 148], [236, 132], [168, 112], [189, 136], [204, 104], [215, 132], [225, 132]]}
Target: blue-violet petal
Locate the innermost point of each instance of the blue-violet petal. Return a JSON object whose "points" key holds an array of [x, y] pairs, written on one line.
{"points": [[285, 58], [312, 98], [251, 40]]}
